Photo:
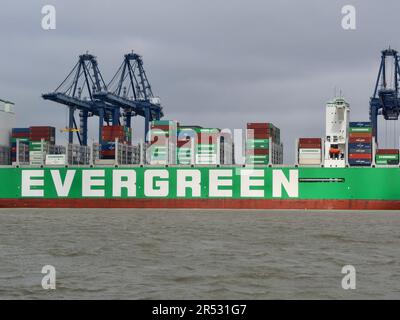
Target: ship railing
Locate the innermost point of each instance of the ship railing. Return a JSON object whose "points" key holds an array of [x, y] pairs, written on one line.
{"points": [[21, 154], [126, 153], [4, 155], [78, 155]]}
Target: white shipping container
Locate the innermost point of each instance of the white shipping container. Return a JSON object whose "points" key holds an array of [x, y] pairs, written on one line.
{"points": [[310, 151], [309, 162], [55, 159], [158, 162], [210, 157], [309, 156]]}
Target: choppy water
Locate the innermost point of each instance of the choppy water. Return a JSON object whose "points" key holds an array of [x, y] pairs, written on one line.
{"points": [[193, 254]]}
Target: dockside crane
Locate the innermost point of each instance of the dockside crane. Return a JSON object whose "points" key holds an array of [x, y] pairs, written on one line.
{"points": [[386, 100], [77, 93], [131, 91]]}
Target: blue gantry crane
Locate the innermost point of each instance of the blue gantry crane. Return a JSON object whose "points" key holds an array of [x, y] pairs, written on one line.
{"points": [[386, 100], [131, 91], [77, 92]]}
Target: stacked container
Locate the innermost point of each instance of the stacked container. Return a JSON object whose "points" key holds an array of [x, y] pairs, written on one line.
{"points": [[260, 138], [185, 145], [4, 155], [37, 149], [207, 149], [387, 157], [310, 151], [163, 141], [360, 144], [108, 136], [22, 134]]}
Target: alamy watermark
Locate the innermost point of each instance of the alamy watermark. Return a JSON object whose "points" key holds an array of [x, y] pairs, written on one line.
{"points": [[49, 17], [49, 280], [349, 18], [349, 280]]}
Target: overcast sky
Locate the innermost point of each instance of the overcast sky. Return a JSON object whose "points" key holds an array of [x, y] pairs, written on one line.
{"points": [[213, 63]]}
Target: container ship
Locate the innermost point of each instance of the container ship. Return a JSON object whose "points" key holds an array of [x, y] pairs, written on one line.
{"points": [[189, 166]]}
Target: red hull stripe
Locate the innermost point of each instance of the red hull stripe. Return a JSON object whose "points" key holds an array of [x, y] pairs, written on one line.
{"points": [[204, 204]]}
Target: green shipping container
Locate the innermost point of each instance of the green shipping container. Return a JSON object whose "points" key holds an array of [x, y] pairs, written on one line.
{"points": [[387, 157], [361, 129], [257, 157]]}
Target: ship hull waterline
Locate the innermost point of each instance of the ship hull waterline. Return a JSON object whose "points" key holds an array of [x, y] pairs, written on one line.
{"points": [[207, 187], [259, 204]]}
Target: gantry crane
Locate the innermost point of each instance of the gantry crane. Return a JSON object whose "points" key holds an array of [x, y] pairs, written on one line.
{"points": [[386, 100], [77, 92], [131, 91]]}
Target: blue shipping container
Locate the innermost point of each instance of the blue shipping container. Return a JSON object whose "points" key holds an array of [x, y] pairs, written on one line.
{"points": [[360, 146], [363, 151], [20, 130], [107, 146], [360, 125], [359, 162]]}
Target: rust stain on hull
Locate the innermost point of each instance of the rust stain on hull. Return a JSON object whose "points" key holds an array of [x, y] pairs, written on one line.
{"points": [[204, 204]]}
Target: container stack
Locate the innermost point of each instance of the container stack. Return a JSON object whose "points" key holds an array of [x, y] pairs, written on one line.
{"points": [[185, 148], [163, 141], [22, 134], [310, 151], [360, 144], [37, 151], [4, 155], [260, 138], [109, 135], [207, 149], [387, 157], [227, 148]]}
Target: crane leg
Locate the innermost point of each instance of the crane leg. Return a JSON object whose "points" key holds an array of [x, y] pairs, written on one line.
{"points": [[84, 126], [374, 120], [146, 123], [71, 125], [101, 123]]}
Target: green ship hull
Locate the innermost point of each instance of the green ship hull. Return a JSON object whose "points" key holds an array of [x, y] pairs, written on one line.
{"points": [[259, 187]]}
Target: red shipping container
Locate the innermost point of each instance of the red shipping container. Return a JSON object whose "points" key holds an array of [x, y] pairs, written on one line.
{"points": [[258, 125], [360, 156], [387, 151], [207, 138], [20, 135], [184, 143], [257, 151], [310, 146], [108, 152], [360, 139], [116, 127], [310, 141], [161, 127], [159, 141], [360, 135], [259, 135]]}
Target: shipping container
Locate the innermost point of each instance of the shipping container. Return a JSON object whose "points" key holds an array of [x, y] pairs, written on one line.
{"points": [[360, 139], [387, 151], [360, 156], [360, 124]]}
